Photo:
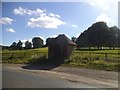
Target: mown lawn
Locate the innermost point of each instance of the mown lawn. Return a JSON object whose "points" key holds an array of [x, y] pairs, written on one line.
{"points": [[95, 59]]}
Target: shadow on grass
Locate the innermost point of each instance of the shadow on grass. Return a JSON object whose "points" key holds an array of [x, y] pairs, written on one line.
{"points": [[42, 64]]}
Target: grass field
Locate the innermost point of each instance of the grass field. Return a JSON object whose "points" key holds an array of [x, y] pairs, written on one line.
{"points": [[95, 59], [24, 56]]}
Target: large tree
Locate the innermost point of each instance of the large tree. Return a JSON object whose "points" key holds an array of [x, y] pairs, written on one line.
{"points": [[19, 45], [112, 39], [98, 34], [28, 45], [13, 46], [82, 41], [37, 42], [116, 34]]}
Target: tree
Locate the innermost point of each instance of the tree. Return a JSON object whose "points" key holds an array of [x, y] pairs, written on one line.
{"points": [[28, 45], [82, 41], [37, 42], [111, 40], [73, 39], [13, 46], [19, 45], [98, 34]]}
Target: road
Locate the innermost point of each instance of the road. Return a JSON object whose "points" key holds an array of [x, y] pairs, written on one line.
{"points": [[18, 78], [13, 79]]}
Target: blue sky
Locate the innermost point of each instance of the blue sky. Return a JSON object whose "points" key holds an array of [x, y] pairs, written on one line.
{"points": [[23, 21]]}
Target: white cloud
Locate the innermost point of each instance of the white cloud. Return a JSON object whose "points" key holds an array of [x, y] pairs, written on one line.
{"points": [[6, 20], [41, 18], [53, 36], [53, 15], [1, 44], [108, 10], [19, 11], [23, 11], [10, 30], [103, 4], [103, 17], [45, 22], [75, 26]]}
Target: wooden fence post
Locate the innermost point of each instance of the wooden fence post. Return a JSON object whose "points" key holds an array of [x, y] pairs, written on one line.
{"points": [[12, 56], [24, 55], [105, 56], [90, 55]]}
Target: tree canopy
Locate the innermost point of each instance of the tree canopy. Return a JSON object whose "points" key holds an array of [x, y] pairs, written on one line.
{"points": [[19, 45], [37, 42], [28, 45], [99, 35], [14, 46]]}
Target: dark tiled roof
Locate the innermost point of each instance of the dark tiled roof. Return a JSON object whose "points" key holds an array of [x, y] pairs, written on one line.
{"points": [[62, 36]]}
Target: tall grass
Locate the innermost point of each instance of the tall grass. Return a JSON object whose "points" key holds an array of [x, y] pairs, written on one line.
{"points": [[94, 59], [24, 56]]}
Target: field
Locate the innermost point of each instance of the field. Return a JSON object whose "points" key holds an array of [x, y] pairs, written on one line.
{"points": [[24, 56], [95, 59], [84, 58]]}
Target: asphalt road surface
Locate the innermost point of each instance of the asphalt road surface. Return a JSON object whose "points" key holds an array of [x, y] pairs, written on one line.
{"points": [[13, 79], [18, 78]]}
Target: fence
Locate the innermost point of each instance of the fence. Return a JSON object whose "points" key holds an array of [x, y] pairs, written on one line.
{"points": [[109, 57], [23, 55]]}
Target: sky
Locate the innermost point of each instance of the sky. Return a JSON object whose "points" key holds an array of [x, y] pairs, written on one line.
{"points": [[26, 20]]}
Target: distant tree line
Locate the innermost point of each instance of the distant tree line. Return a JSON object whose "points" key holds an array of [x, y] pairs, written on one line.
{"points": [[37, 42], [97, 35]]}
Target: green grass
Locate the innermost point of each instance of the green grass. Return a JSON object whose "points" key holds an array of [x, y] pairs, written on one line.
{"points": [[94, 59], [24, 56]]}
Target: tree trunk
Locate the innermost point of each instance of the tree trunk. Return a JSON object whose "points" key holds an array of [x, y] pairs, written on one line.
{"points": [[89, 48], [113, 48], [98, 47], [110, 48]]}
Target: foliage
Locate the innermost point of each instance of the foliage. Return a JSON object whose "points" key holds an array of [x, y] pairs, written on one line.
{"points": [[13, 46], [99, 35], [28, 45], [19, 45], [73, 39], [37, 42]]}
